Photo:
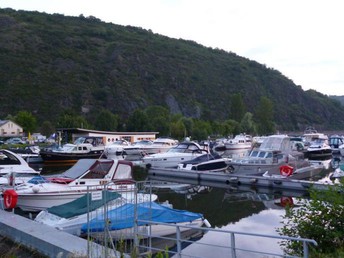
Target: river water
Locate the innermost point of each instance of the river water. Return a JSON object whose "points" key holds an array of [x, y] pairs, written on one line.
{"points": [[234, 208]]}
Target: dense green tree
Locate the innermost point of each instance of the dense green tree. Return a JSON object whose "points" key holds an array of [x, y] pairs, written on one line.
{"points": [[106, 121], [159, 119], [247, 124], [68, 119], [26, 120], [138, 122], [178, 130], [231, 127], [238, 108], [189, 125], [264, 117], [47, 128], [202, 130]]}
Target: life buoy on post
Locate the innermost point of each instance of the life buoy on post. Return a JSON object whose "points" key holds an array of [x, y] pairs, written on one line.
{"points": [[286, 170], [10, 199]]}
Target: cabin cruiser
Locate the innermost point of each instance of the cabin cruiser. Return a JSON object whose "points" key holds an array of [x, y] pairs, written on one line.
{"points": [[87, 175], [275, 152], [206, 163], [14, 169], [186, 150], [161, 145], [239, 143], [335, 142], [116, 149], [138, 148], [318, 147], [82, 148]]}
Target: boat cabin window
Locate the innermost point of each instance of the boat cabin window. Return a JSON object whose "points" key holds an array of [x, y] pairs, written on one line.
{"points": [[8, 159], [262, 154], [254, 154], [269, 155], [98, 170]]}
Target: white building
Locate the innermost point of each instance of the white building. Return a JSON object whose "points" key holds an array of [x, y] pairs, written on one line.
{"points": [[10, 129], [108, 137]]}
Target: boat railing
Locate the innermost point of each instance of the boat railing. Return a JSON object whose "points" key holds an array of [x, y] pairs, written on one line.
{"points": [[232, 248]]}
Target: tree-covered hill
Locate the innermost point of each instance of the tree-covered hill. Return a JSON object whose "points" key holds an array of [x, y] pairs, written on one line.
{"points": [[53, 63]]}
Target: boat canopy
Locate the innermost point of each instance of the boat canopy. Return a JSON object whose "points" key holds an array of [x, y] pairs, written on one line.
{"points": [[83, 165], [82, 205], [124, 216]]}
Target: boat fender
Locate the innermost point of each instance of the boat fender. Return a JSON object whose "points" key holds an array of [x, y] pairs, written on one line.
{"points": [[10, 198], [207, 223], [286, 170], [35, 189]]}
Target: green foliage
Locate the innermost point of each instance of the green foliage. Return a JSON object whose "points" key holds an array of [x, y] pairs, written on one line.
{"points": [[237, 107], [51, 63], [264, 117], [247, 125], [47, 128], [138, 122], [106, 121], [26, 120], [321, 219], [69, 119], [159, 119]]}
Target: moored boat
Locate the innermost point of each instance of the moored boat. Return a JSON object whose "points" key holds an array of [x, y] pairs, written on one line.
{"points": [[82, 148], [186, 150], [87, 175]]}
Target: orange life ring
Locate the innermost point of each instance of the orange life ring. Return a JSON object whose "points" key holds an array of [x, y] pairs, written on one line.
{"points": [[10, 199], [286, 170]]}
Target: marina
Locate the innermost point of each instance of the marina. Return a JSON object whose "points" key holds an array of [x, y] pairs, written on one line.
{"points": [[233, 207]]}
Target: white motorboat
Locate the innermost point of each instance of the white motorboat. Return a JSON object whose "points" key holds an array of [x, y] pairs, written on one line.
{"points": [[274, 152], [31, 154], [138, 148], [206, 162], [14, 169], [116, 150], [120, 221], [318, 146], [161, 145], [240, 142], [184, 151], [87, 175], [335, 142], [71, 216]]}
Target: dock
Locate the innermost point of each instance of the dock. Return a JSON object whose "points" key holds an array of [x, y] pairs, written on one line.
{"points": [[47, 240], [229, 179]]}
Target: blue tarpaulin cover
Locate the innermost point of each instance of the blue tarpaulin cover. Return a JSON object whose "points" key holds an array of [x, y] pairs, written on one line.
{"points": [[124, 216]]}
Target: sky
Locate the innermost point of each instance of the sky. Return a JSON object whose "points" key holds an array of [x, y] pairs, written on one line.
{"points": [[300, 38]]}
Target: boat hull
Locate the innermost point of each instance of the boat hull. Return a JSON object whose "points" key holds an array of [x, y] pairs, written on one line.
{"points": [[50, 156]]}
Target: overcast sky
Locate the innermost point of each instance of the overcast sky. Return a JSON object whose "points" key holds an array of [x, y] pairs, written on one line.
{"points": [[300, 38]]}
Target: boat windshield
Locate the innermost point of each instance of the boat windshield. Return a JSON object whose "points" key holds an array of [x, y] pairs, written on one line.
{"points": [[181, 148]]}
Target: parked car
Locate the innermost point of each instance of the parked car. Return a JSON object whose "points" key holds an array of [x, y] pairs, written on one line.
{"points": [[14, 141]]}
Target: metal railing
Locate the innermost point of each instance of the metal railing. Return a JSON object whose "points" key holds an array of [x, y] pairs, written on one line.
{"points": [[232, 249]]}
